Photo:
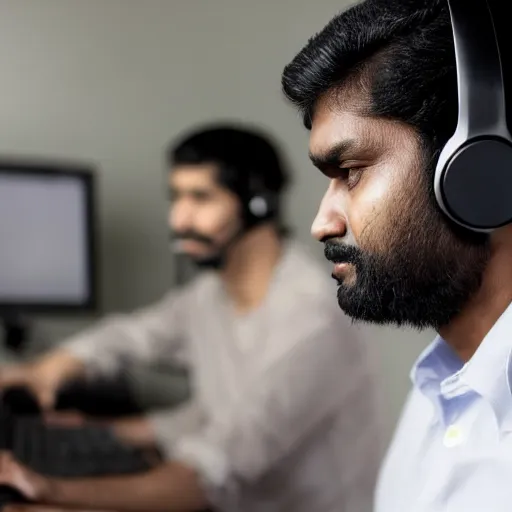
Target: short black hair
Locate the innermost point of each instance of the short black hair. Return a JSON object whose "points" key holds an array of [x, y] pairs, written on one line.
{"points": [[243, 155], [405, 51]]}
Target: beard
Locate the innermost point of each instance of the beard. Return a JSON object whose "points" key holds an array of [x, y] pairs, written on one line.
{"points": [[213, 260], [215, 257], [419, 271]]}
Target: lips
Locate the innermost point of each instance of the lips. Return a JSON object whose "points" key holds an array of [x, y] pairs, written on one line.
{"points": [[184, 245], [340, 269]]}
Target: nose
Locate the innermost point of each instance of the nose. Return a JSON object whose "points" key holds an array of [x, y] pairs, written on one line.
{"points": [[330, 221], [180, 216]]}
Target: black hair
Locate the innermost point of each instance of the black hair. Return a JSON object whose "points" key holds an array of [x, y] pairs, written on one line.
{"points": [[403, 50], [247, 160]]}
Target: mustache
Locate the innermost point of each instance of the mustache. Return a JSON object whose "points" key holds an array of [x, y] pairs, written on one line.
{"points": [[337, 252], [192, 236]]}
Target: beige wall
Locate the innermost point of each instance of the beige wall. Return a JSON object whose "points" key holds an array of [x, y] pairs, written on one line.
{"points": [[111, 81]]}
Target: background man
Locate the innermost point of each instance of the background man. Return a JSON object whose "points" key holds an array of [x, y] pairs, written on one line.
{"points": [[283, 414]]}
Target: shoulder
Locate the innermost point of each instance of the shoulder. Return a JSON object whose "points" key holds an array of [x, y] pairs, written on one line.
{"points": [[189, 295], [306, 272], [305, 290], [202, 284], [304, 308]]}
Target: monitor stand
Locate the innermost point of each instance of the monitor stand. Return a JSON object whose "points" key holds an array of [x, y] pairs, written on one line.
{"points": [[16, 332]]}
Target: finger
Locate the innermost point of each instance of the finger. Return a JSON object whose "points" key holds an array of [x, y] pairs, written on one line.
{"points": [[6, 469], [5, 462], [63, 419], [46, 399], [21, 478], [11, 377], [52, 418]]}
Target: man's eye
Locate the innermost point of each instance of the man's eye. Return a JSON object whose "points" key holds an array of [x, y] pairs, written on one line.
{"points": [[350, 175], [201, 199]]}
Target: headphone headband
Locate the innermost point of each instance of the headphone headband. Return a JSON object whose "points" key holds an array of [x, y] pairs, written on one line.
{"points": [[473, 179], [480, 86]]}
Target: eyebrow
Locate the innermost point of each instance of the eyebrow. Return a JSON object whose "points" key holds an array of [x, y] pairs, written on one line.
{"points": [[176, 191], [335, 154]]}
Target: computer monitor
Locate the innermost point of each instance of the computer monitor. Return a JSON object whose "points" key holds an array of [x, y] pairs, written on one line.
{"points": [[47, 249]]}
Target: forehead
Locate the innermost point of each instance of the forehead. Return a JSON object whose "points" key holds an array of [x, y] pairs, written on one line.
{"points": [[341, 126], [193, 176]]}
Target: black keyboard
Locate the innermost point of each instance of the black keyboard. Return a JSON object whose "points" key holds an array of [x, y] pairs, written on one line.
{"points": [[85, 451], [70, 452]]}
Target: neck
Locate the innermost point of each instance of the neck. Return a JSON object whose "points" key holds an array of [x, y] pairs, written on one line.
{"points": [[465, 333], [250, 265]]}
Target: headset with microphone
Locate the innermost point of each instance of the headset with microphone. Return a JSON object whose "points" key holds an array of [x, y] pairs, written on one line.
{"points": [[260, 203], [473, 178]]}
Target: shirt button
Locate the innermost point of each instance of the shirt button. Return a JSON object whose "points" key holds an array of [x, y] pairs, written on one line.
{"points": [[453, 436]]}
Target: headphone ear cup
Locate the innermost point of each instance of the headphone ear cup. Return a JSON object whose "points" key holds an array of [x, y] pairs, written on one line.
{"points": [[258, 206], [473, 184]]}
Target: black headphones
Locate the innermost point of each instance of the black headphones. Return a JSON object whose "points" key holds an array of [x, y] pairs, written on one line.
{"points": [[473, 179], [260, 204]]}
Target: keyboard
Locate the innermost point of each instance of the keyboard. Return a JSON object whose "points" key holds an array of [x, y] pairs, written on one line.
{"points": [[69, 452], [86, 451]]}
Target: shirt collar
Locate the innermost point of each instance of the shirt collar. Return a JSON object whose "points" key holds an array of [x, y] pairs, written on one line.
{"points": [[439, 371], [489, 373], [436, 363]]}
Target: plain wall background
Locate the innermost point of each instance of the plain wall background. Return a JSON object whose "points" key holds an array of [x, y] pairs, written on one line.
{"points": [[112, 81]]}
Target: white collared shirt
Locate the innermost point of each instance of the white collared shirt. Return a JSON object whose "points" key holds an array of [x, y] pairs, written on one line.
{"points": [[452, 451]]}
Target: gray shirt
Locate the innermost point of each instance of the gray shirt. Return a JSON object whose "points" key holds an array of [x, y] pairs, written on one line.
{"points": [[283, 415]]}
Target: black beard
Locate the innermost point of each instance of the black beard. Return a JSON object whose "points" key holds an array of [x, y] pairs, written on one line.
{"points": [[213, 262], [217, 259], [420, 283]]}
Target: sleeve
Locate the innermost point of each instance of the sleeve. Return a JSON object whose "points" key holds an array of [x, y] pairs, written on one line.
{"points": [[295, 390], [140, 337], [170, 425]]}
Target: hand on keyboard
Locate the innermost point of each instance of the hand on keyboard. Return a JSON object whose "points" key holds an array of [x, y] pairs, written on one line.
{"points": [[136, 431], [28, 483], [16, 479], [34, 380], [65, 418], [43, 377]]}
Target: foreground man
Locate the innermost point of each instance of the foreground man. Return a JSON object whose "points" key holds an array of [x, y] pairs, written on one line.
{"points": [[378, 89], [283, 414]]}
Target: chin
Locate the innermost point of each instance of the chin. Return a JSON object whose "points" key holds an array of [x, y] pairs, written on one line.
{"points": [[359, 310], [208, 262]]}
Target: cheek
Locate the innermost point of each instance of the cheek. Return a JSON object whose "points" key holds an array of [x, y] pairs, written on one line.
{"points": [[368, 207], [217, 220]]}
